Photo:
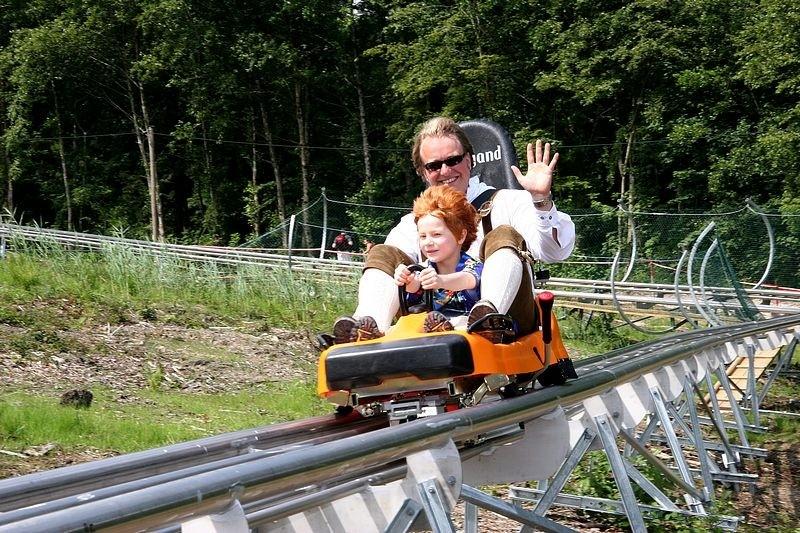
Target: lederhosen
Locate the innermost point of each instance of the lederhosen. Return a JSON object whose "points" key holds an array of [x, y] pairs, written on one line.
{"points": [[483, 204]]}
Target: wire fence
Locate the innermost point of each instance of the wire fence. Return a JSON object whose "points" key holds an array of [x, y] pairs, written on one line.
{"points": [[651, 244]]}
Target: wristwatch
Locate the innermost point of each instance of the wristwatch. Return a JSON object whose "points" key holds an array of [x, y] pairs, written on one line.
{"points": [[543, 203]]}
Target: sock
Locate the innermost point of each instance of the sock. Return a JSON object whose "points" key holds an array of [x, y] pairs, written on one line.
{"points": [[378, 297], [502, 274]]}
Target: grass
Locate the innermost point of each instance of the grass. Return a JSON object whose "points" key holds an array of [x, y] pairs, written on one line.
{"points": [[47, 291], [118, 286], [164, 418]]}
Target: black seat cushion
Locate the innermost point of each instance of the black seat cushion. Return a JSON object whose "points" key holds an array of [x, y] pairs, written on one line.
{"points": [[439, 356]]}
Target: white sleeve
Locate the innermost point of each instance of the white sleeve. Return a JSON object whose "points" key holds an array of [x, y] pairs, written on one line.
{"points": [[550, 235], [404, 236]]}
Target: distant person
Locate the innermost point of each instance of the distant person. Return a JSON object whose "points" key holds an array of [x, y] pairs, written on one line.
{"points": [[343, 245], [368, 244]]}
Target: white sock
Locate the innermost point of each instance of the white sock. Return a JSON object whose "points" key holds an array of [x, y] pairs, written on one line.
{"points": [[378, 297], [502, 274]]}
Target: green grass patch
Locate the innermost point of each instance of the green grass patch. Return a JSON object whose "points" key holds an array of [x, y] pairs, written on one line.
{"points": [[597, 335], [119, 286], [161, 418]]}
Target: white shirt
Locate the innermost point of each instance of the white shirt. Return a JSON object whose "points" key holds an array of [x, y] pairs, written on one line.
{"points": [[510, 206]]}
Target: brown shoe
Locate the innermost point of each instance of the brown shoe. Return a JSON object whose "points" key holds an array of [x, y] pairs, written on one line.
{"points": [[484, 320], [343, 329], [436, 321], [366, 329]]}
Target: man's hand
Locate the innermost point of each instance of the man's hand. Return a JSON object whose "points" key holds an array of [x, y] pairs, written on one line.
{"points": [[539, 178]]}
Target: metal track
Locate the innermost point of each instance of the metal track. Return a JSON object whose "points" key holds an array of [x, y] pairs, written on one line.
{"points": [[292, 470]]}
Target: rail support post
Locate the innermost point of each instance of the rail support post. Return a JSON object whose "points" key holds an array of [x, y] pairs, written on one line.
{"points": [[233, 520]]}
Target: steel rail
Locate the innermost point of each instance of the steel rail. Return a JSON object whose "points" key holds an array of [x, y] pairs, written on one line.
{"points": [[211, 492], [34, 489]]}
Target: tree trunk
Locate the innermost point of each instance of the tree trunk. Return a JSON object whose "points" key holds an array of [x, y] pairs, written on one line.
{"points": [[63, 158], [5, 167], [477, 31], [276, 171], [362, 114], [139, 132], [155, 194], [302, 141], [255, 201], [362, 122]]}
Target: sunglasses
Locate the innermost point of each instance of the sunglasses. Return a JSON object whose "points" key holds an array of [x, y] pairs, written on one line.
{"points": [[435, 166]]}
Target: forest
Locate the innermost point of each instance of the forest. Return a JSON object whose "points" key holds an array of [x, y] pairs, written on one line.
{"points": [[203, 121]]}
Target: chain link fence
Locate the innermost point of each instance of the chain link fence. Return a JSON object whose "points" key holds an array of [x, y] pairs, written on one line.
{"points": [[649, 247]]}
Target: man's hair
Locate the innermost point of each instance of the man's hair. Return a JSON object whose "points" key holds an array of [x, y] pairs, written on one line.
{"points": [[450, 206], [438, 127]]}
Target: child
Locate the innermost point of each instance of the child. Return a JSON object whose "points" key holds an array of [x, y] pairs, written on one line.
{"points": [[447, 225]]}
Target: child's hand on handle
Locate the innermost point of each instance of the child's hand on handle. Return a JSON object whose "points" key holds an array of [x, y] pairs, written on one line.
{"points": [[403, 276], [429, 279]]}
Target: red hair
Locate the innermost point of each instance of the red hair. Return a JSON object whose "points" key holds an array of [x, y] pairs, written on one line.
{"points": [[450, 206]]}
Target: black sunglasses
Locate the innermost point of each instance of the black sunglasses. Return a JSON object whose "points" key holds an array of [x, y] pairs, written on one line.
{"points": [[434, 166]]}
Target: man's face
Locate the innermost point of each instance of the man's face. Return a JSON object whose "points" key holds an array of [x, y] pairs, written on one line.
{"points": [[441, 164]]}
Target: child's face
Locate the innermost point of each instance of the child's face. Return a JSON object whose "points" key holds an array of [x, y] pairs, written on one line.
{"points": [[436, 240]]}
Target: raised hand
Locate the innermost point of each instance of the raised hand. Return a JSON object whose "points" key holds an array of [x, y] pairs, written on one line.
{"points": [[539, 178]]}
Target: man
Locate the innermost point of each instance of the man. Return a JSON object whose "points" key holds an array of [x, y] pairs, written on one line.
{"points": [[521, 221], [343, 245]]}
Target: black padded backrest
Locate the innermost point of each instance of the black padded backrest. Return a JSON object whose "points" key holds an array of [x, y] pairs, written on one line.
{"points": [[494, 153]]}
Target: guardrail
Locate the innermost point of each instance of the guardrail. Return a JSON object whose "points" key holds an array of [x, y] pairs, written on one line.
{"points": [[350, 481]]}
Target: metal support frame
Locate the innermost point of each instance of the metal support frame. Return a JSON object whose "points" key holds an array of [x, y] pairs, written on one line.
{"points": [[434, 506], [678, 414], [697, 302], [470, 518], [672, 440], [405, 517], [751, 398], [753, 207], [785, 359], [738, 416], [480, 499]]}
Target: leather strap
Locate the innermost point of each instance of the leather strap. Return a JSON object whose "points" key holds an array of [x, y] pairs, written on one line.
{"points": [[483, 204]]}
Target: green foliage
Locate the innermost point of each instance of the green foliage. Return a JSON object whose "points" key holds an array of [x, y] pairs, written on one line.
{"points": [[682, 105], [594, 334]]}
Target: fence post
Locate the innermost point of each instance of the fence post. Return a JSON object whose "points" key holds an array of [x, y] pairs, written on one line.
{"points": [[324, 225]]}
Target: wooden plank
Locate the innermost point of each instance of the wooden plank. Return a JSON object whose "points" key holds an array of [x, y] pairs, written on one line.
{"points": [[738, 371]]}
